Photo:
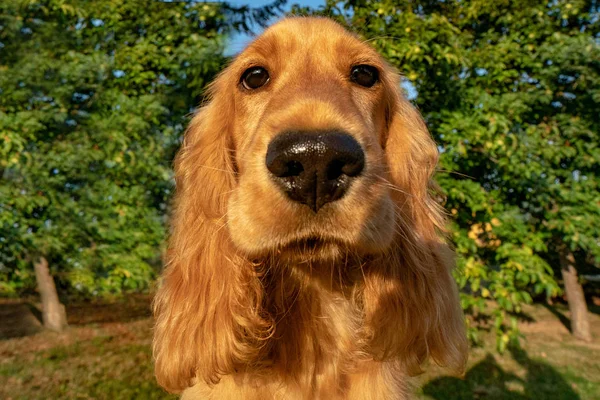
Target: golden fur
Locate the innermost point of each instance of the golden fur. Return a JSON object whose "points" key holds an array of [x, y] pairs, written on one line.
{"points": [[264, 299]]}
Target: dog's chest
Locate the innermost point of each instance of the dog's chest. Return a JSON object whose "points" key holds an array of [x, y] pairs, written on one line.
{"points": [[318, 334], [317, 352]]}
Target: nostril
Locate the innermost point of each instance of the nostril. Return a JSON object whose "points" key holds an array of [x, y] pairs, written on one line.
{"points": [[282, 168], [355, 167], [282, 165], [351, 166], [335, 169], [293, 168]]}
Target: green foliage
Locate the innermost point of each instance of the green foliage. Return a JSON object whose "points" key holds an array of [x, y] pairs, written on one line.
{"points": [[511, 92], [94, 98], [93, 101]]}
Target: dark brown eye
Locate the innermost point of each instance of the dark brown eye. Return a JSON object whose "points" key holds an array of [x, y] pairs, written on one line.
{"points": [[255, 77], [364, 75]]}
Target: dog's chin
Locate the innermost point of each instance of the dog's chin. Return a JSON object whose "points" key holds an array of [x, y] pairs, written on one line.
{"points": [[310, 249], [313, 249]]}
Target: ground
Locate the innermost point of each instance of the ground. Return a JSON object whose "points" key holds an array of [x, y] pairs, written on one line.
{"points": [[105, 354]]}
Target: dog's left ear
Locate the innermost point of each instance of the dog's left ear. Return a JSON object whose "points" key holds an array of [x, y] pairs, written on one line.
{"points": [[411, 156], [411, 299], [209, 319]]}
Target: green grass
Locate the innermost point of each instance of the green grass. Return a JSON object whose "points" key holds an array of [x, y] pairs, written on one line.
{"points": [[112, 360], [531, 379], [550, 365]]}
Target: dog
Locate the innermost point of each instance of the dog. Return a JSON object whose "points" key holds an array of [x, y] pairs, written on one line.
{"points": [[307, 257]]}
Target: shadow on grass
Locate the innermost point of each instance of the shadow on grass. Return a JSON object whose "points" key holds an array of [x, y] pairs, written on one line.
{"points": [[19, 319], [561, 317], [593, 308], [130, 308], [22, 318], [487, 380]]}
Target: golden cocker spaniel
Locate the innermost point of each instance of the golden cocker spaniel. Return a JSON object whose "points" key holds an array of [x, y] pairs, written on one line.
{"points": [[306, 259]]}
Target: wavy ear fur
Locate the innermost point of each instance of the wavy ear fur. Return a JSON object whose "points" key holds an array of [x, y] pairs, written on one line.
{"points": [[208, 307], [411, 300]]}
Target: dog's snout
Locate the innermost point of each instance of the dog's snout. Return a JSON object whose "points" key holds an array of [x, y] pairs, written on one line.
{"points": [[314, 168]]}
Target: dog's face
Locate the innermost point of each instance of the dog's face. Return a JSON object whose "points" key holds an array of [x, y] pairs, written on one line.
{"points": [[311, 112], [306, 151]]}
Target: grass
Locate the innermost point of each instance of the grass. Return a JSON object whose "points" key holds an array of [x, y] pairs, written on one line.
{"points": [[105, 354], [551, 365], [112, 361]]}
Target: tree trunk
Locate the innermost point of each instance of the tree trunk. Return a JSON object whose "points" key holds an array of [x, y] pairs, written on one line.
{"points": [[580, 325], [53, 313]]}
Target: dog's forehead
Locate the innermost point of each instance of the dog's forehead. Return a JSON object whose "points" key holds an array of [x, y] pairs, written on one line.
{"points": [[307, 29], [307, 36]]}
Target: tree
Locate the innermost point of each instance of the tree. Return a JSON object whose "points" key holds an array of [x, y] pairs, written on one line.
{"points": [[94, 97], [54, 314], [511, 92]]}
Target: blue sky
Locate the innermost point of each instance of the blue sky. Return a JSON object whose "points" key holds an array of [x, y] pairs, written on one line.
{"points": [[239, 41]]}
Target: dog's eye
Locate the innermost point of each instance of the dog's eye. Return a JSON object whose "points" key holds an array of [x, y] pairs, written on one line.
{"points": [[255, 77], [364, 75]]}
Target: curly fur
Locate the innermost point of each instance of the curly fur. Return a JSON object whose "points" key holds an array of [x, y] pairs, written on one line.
{"points": [[263, 299]]}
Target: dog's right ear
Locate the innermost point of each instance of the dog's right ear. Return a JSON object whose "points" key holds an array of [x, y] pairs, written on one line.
{"points": [[411, 301], [204, 169], [208, 305]]}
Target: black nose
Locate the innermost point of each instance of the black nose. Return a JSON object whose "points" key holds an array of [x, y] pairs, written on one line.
{"points": [[314, 168]]}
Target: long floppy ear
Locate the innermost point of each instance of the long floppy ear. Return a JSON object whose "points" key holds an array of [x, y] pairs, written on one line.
{"points": [[411, 300], [208, 306]]}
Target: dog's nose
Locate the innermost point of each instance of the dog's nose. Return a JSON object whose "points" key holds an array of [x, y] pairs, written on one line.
{"points": [[314, 168]]}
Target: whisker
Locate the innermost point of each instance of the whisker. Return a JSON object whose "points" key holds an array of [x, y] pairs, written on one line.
{"points": [[455, 173], [384, 182], [224, 216], [227, 192], [381, 37], [217, 169]]}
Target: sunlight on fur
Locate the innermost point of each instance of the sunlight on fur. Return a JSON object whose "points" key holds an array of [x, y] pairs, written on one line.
{"points": [[264, 297]]}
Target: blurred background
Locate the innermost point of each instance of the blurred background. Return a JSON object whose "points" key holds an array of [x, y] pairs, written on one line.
{"points": [[94, 99]]}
